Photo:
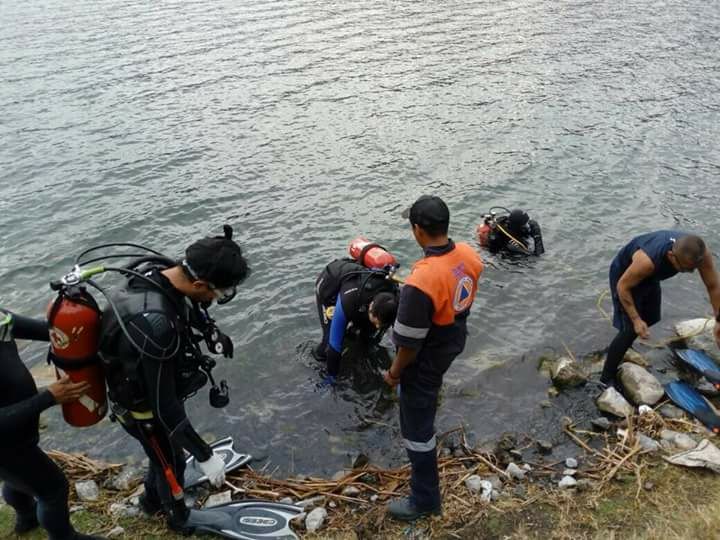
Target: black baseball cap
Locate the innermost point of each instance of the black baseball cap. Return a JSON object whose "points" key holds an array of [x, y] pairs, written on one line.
{"points": [[428, 210], [218, 260]]}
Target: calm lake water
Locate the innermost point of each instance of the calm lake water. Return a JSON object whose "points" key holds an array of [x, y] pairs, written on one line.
{"points": [[306, 123]]}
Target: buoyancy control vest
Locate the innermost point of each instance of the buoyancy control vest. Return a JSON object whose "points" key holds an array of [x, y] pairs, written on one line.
{"points": [[159, 324]]}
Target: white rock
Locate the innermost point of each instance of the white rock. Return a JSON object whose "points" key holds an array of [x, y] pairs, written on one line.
{"points": [[644, 409], [526, 467], [693, 327], [116, 532], [571, 463], [351, 491], [374, 498], [611, 401], [218, 498], [569, 472], [515, 472], [680, 440], [119, 509], [315, 519], [640, 385], [567, 482], [87, 490], [286, 500], [76, 508], [332, 504], [474, 483], [312, 501], [487, 490]]}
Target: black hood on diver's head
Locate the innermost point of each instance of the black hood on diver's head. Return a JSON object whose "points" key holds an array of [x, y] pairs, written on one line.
{"points": [[218, 260]]}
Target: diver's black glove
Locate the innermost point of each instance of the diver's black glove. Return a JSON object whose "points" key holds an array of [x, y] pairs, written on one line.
{"points": [[219, 343]]}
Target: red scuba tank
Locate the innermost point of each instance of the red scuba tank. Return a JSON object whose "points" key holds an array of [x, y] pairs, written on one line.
{"points": [[74, 322], [370, 254], [483, 233]]}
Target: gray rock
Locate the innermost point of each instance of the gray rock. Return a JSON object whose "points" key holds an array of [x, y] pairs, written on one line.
{"points": [[671, 411], [445, 452], [374, 498], [677, 439], [495, 481], [566, 373], [515, 472], [640, 385], [520, 492], [569, 472], [601, 423], [567, 482], [495, 495], [87, 490], [351, 491], [474, 483], [311, 502], [315, 519], [635, 357], [648, 444], [544, 447], [459, 453], [125, 479], [218, 498], [121, 510], [286, 500], [338, 476], [611, 401], [706, 388], [116, 532], [571, 463], [648, 486]]}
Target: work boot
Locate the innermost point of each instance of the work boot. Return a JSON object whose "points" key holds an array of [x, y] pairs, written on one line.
{"points": [[405, 510], [25, 523]]}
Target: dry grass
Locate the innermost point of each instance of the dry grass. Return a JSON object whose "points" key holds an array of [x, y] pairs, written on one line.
{"points": [[618, 503]]}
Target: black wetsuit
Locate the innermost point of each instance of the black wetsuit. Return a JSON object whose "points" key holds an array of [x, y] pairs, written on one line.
{"points": [[33, 484], [160, 325], [346, 288], [529, 234]]}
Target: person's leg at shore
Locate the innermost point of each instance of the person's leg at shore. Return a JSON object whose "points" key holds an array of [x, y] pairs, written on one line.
{"points": [[648, 300], [417, 424], [33, 475]]}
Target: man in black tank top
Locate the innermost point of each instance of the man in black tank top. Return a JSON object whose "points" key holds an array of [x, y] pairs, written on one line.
{"points": [[635, 276]]}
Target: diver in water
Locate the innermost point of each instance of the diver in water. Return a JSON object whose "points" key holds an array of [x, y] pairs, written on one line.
{"points": [[514, 233], [352, 299], [148, 346], [33, 485]]}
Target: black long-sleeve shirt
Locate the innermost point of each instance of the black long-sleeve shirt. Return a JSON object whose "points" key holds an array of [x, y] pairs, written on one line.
{"points": [[20, 401]]}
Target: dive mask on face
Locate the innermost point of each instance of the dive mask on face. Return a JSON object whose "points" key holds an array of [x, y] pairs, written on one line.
{"points": [[223, 294]]}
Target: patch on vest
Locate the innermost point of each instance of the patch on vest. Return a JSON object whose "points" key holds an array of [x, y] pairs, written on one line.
{"points": [[463, 294]]}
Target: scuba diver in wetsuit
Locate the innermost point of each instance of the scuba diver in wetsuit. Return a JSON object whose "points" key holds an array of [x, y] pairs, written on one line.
{"points": [[150, 351], [514, 233], [352, 298], [33, 485]]}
